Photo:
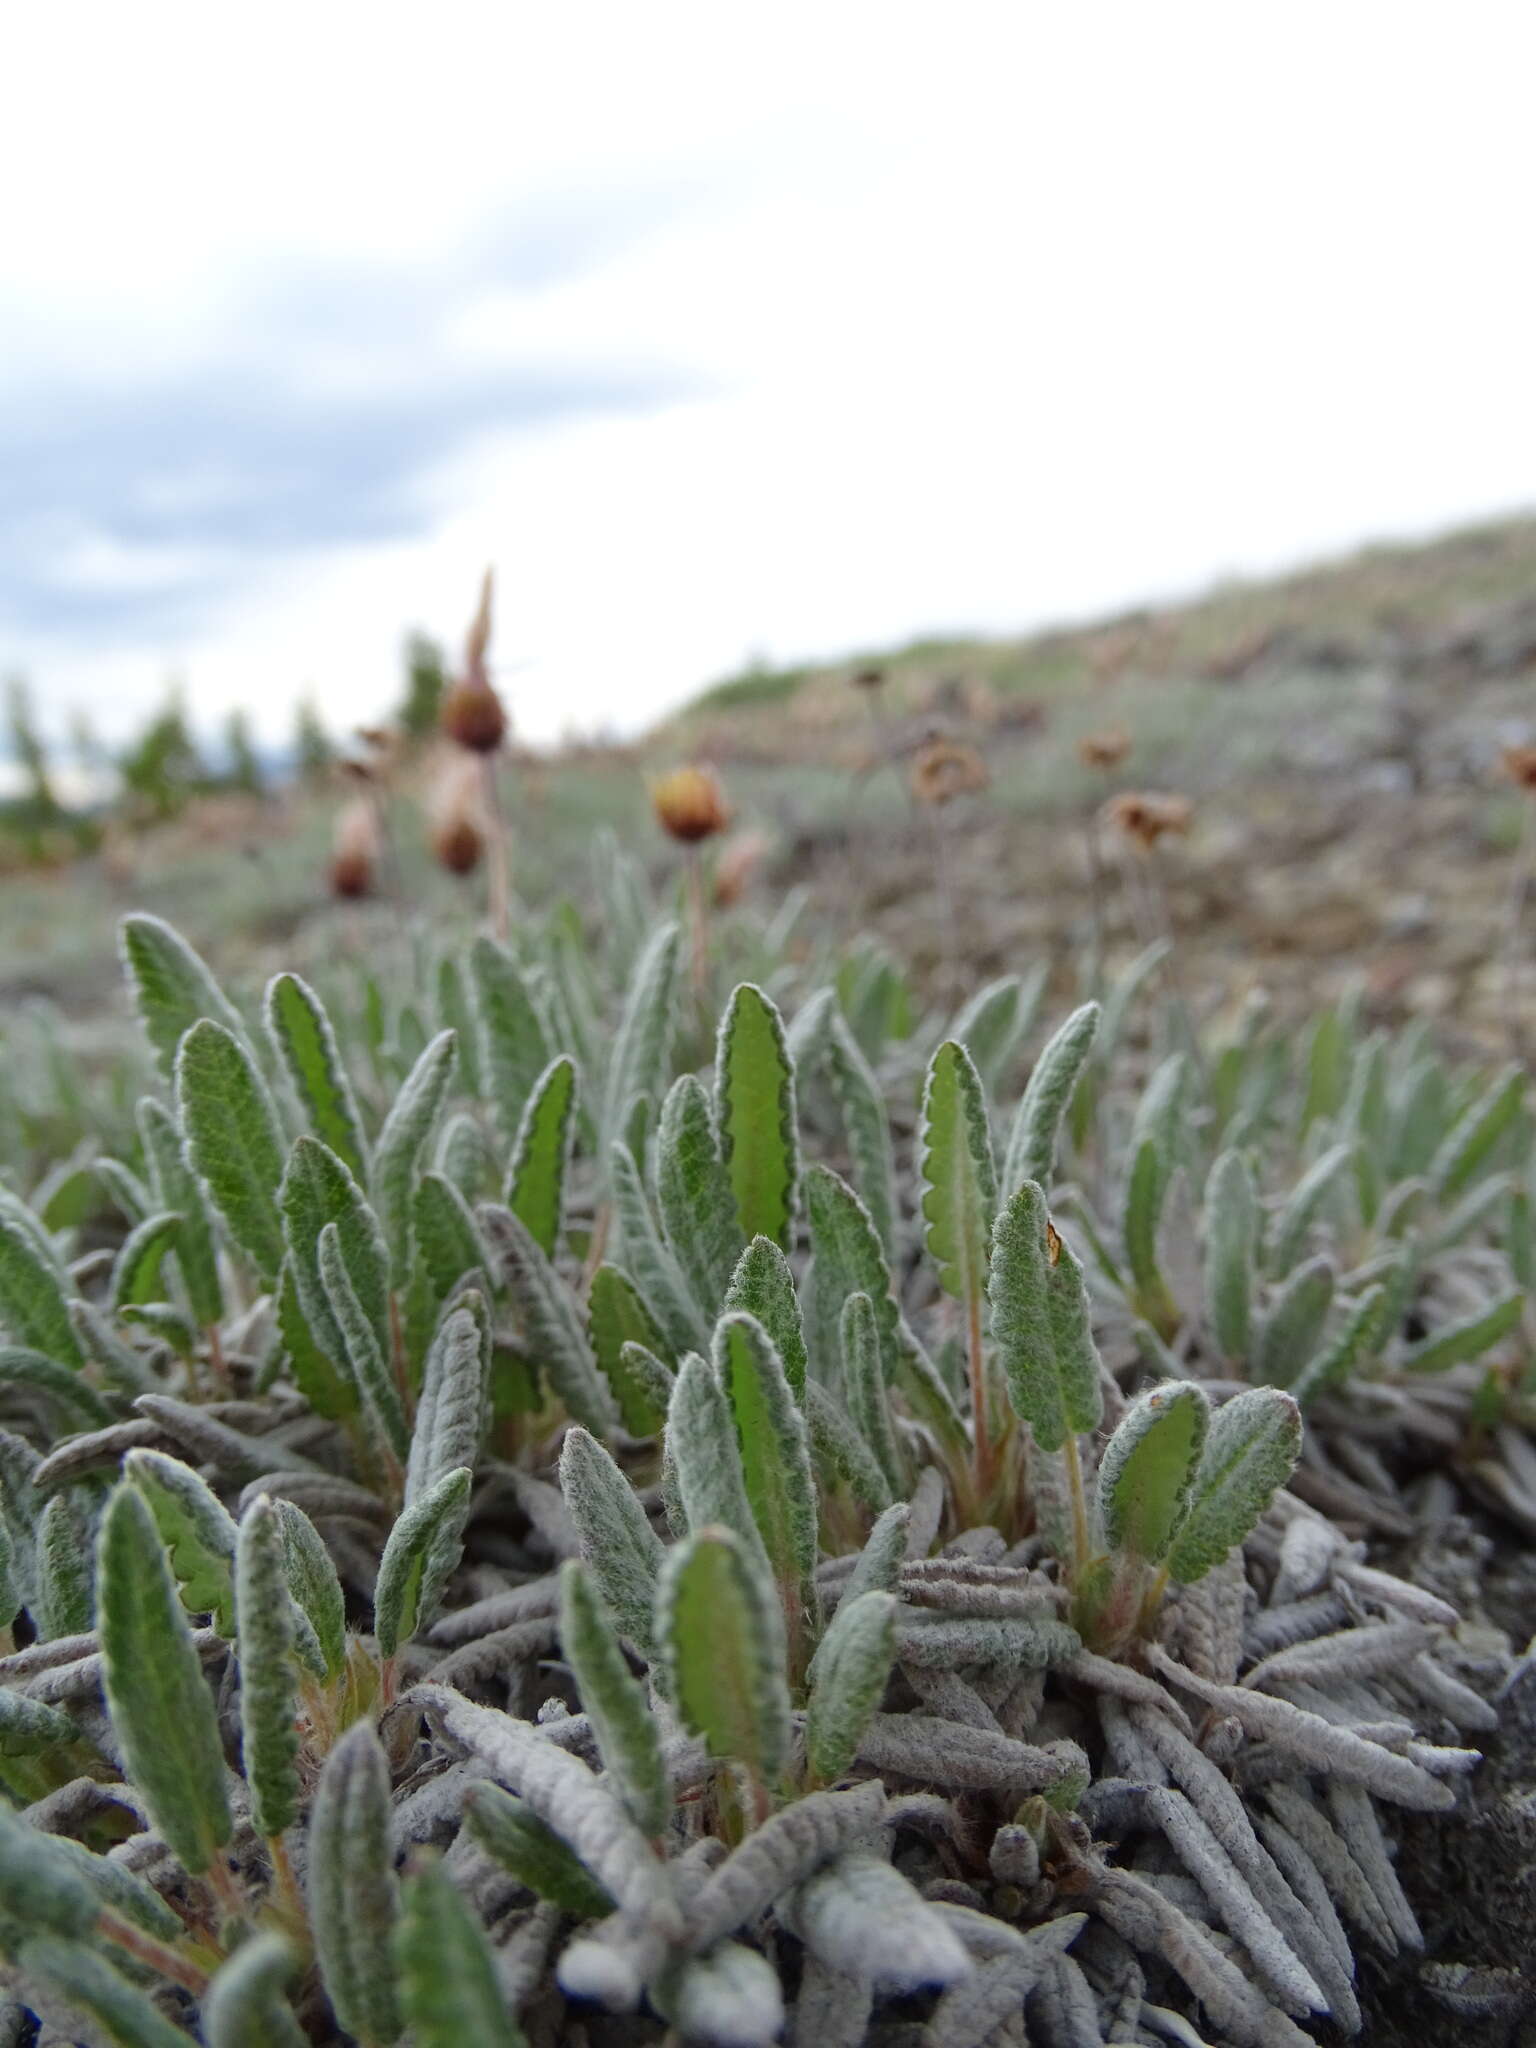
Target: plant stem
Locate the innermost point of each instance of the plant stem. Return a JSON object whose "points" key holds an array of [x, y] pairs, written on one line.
{"points": [[1514, 917], [978, 1373], [1157, 897], [1079, 1499], [288, 1892], [154, 1954], [698, 922], [498, 854], [226, 1890]]}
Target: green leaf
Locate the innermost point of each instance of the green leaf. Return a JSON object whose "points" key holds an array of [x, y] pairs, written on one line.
{"points": [[176, 1187], [993, 1023], [314, 1585], [1303, 1204], [232, 1139], [959, 1180], [694, 1194], [397, 1155], [245, 2006], [1328, 1068], [1148, 1468], [423, 1550], [1250, 1452], [1476, 1134], [1295, 1321], [722, 1645], [136, 1269], [41, 1890], [848, 1259], [1470, 1338], [655, 1271], [618, 1322], [512, 1048], [76, 1401], [1032, 1142], [514, 1836], [447, 1237], [843, 1456], [316, 1190], [755, 1115], [33, 1304], [369, 1368], [329, 1392], [1154, 1151], [1360, 1337], [304, 1041], [640, 1063], [30, 1727], [849, 1676], [197, 1530], [775, 1457], [617, 1542], [864, 1388], [269, 1739], [1231, 1244], [763, 1286], [865, 1125], [449, 1996], [1040, 1324], [702, 1442], [455, 1392], [162, 1710], [556, 1340], [86, 1986], [536, 1184], [64, 1603], [172, 987], [622, 1722], [353, 1898]]}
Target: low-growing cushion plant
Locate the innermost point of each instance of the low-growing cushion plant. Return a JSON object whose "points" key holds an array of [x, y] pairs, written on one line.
{"points": [[542, 1515]]}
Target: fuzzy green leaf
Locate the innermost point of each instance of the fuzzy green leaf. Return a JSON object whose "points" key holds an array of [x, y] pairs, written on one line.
{"points": [[41, 1889], [959, 1179], [866, 1126], [197, 1530], [172, 987], [756, 1117], [245, 2005], [694, 1193], [722, 1645], [775, 1455], [329, 1392], [656, 1272], [556, 1339], [446, 1235], [536, 1184], [1250, 1451], [851, 1668], [64, 1603], [449, 1996], [1295, 1321], [1308, 1196], [1231, 1243], [419, 1558], [1040, 1324], [1154, 1151], [136, 1269], [367, 1364], [316, 1190], [702, 1443], [269, 1740], [1032, 1141], [31, 1727], [1354, 1344], [512, 1047], [403, 1139], [640, 1063], [176, 1187], [618, 1321], [622, 1721], [1469, 1338], [1149, 1466], [353, 1898], [232, 1138], [33, 1304], [763, 1286], [512, 1834], [865, 1391], [305, 1042], [451, 1412], [71, 1977], [162, 1710], [843, 1455], [619, 1545], [312, 1581], [1476, 1134]]}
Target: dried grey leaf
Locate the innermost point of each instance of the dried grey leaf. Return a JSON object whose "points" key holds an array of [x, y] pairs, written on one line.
{"points": [[944, 1752], [861, 1916], [784, 1851]]}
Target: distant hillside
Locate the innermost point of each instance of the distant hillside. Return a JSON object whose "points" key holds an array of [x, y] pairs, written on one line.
{"points": [[1402, 606]]}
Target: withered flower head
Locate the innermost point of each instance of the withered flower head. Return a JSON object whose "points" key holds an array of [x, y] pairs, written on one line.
{"points": [[871, 678], [1104, 750], [690, 804], [1146, 817], [472, 713], [943, 769], [354, 849], [1520, 766], [457, 826]]}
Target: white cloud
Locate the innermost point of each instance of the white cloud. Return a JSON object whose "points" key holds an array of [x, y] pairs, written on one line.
{"points": [[990, 316]]}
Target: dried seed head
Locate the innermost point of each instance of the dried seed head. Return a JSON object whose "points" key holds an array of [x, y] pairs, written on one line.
{"points": [[1106, 749], [1146, 818], [944, 769], [738, 861], [457, 824], [354, 850], [1520, 765], [871, 678], [472, 713], [690, 804]]}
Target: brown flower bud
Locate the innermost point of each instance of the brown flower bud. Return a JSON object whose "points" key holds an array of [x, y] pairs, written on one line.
{"points": [[355, 850], [871, 678], [457, 823], [944, 769], [472, 713], [1104, 750], [690, 804], [1145, 817]]}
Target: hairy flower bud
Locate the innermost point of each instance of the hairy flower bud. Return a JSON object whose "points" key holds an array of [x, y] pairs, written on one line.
{"points": [[354, 850], [472, 713], [457, 826], [690, 804]]}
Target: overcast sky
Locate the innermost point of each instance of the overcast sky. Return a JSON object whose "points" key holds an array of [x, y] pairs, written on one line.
{"points": [[726, 331]]}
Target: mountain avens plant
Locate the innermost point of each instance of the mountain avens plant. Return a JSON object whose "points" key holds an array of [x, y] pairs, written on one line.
{"points": [[526, 1508]]}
